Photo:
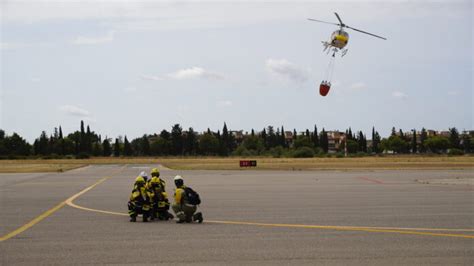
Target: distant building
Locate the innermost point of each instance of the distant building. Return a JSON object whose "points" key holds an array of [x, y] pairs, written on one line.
{"points": [[335, 140]]}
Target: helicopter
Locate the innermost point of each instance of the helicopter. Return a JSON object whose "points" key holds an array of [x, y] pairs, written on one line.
{"points": [[336, 43], [340, 38]]}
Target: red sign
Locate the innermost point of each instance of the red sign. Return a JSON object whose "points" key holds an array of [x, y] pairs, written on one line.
{"points": [[244, 163]]}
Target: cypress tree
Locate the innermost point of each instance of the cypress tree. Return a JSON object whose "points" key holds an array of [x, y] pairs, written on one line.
{"points": [[283, 138], [263, 136], [106, 149], [423, 138], [225, 142], [324, 141], [117, 148], [82, 138], [394, 132], [253, 133], [60, 133], [315, 137], [127, 148], [413, 142]]}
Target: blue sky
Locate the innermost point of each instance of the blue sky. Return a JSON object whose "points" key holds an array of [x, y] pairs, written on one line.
{"points": [[129, 68]]}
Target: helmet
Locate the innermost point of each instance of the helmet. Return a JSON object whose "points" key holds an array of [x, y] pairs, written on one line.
{"points": [[144, 174], [155, 172], [178, 181], [139, 179]]}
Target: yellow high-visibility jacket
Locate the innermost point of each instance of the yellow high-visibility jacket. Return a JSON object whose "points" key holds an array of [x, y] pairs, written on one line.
{"points": [[179, 195]]}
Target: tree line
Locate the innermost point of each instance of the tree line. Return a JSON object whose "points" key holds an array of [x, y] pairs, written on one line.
{"points": [[267, 142]]}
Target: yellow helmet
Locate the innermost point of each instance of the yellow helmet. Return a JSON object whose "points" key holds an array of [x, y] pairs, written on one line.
{"points": [[140, 179], [155, 172]]}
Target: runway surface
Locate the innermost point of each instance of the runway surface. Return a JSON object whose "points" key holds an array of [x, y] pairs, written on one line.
{"points": [[251, 217]]}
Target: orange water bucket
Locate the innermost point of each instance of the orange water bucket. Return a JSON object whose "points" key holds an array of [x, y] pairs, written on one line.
{"points": [[324, 89]]}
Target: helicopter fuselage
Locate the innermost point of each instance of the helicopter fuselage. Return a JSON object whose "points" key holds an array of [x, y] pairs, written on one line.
{"points": [[339, 39]]}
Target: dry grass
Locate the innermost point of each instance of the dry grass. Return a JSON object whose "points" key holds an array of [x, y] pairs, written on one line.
{"points": [[232, 163]]}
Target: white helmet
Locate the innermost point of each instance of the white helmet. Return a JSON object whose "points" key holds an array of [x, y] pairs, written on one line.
{"points": [[178, 177], [144, 174]]}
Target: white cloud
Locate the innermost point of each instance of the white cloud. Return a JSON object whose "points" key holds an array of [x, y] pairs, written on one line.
{"points": [[147, 77], [224, 103], [453, 93], [74, 110], [194, 72], [358, 86], [82, 40], [399, 95], [287, 70]]}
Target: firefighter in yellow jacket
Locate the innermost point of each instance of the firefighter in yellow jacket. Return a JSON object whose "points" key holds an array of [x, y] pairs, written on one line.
{"points": [[159, 198], [185, 201], [139, 202]]}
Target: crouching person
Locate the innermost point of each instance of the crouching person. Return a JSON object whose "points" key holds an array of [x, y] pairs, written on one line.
{"points": [[139, 201], [185, 204], [159, 198]]}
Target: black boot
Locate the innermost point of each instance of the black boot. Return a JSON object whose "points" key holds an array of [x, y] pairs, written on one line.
{"points": [[145, 219], [198, 217], [133, 219]]}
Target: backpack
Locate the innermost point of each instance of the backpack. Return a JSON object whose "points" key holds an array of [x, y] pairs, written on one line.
{"points": [[192, 196]]}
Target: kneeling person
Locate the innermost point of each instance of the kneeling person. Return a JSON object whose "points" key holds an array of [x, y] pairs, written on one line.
{"points": [[159, 198], [139, 202], [186, 201]]}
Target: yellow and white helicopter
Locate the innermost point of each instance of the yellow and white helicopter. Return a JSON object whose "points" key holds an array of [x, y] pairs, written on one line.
{"points": [[340, 38]]}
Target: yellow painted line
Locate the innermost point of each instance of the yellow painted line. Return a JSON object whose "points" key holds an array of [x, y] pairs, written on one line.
{"points": [[343, 228], [47, 213], [54, 209], [32, 222], [407, 231]]}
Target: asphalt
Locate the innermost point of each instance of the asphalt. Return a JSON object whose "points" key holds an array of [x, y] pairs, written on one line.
{"points": [[251, 217]]}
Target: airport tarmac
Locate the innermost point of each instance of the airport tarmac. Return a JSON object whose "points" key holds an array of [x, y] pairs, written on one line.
{"points": [[396, 217]]}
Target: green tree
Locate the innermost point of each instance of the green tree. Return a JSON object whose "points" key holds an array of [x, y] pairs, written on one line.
{"points": [[282, 141], [254, 143], [413, 142], [145, 145], [352, 146], [324, 141], [303, 141], [395, 143], [454, 138], [16, 145], [208, 144], [127, 148], [117, 148], [423, 138], [437, 144], [176, 140], [191, 143], [315, 137], [466, 143], [106, 149]]}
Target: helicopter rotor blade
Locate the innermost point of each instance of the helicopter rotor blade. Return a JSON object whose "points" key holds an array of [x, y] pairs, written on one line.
{"points": [[367, 33], [338, 18], [312, 19]]}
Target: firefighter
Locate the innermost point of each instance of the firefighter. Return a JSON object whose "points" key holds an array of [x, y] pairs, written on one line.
{"points": [[139, 202], [159, 198], [185, 203]]}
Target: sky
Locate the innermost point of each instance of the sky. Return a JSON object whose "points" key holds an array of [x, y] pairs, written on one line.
{"points": [[136, 67]]}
